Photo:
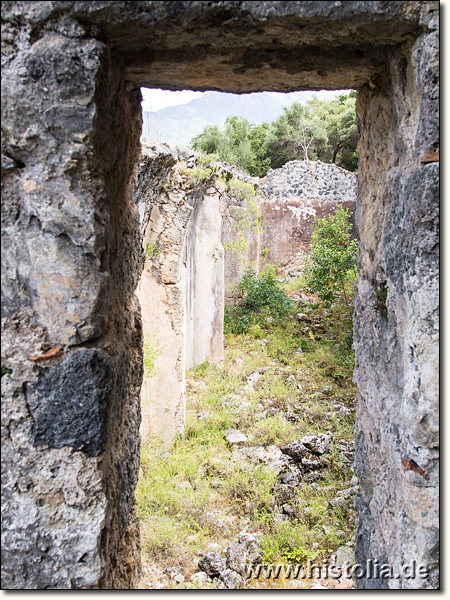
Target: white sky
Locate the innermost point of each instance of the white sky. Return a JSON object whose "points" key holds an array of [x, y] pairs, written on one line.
{"points": [[155, 99]]}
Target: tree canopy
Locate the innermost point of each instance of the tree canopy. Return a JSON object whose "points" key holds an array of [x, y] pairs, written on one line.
{"points": [[318, 130]]}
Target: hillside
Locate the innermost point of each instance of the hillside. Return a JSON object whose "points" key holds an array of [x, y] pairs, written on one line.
{"points": [[179, 124]]}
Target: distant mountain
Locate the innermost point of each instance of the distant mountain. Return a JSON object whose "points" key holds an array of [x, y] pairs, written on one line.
{"points": [[179, 124]]}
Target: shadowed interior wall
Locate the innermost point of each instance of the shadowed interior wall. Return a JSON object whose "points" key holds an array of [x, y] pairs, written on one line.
{"points": [[71, 250]]}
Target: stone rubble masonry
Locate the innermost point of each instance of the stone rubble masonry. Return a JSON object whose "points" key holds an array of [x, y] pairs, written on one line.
{"points": [[71, 255], [293, 196]]}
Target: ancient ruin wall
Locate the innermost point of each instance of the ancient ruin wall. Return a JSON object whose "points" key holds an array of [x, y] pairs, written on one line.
{"points": [[397, 314], [71, 252], [70, 242], [296, 194], [181, 288]]}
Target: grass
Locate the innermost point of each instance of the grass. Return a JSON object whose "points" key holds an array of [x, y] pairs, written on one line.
{"points": [[200, 491]]}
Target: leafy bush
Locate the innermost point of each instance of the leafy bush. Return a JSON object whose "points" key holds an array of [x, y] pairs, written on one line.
{"points": [[151, 251], [332, 260], [261, 297]]}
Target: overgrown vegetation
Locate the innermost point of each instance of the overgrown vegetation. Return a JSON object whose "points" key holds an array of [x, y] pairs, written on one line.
{"points": [[261, 298], [287, 371], [331, 263], [151, 250], [319, 130], [200, 491]]}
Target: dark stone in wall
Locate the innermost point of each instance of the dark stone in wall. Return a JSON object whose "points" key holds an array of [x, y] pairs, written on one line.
{"points": [[68, 402]]}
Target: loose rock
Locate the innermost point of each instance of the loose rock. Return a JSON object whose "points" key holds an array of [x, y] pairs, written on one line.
{"points": [[235, 437], [236, 558], [319, 444], [232, 580], [296, 450], [212, 564]]}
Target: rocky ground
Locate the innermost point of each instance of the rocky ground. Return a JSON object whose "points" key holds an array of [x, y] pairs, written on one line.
{"points": [[263, 472]]}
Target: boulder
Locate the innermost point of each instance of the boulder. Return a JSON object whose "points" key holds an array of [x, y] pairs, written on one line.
{"points": [[232, 580], [296, 450], [235, 559], [200, 578]]}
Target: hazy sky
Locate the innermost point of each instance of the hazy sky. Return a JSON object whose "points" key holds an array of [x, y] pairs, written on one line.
{"points": [[154, 100]]}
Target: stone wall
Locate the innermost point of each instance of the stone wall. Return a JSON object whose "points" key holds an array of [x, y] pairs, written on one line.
{"points": [[397, 313], [71, 255], [70, 242], [293, 196], [181, 289]]}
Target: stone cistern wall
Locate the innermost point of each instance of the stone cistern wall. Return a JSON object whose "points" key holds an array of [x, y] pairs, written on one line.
{"points": [[71, 255]]}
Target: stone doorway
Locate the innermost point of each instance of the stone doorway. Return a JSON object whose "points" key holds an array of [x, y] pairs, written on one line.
{"points": [[71, 126]]}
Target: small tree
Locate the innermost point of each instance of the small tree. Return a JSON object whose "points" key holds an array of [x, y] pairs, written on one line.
{"points": [[332, 259]]}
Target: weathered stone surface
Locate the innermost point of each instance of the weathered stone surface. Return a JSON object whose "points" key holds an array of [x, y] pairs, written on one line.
{"points": [[232, 580], [70, 243], [249, 541], [212, 564], [68, 402], [71, 251], [295, 450], [235, 558], [293, 196], [396, 319], [340, 45], [53, 500], [319, 444]]}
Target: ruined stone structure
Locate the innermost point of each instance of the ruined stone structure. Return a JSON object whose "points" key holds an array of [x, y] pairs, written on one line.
{"points": [[293, 196], [71, 121], [182, 281], [186, 219]]}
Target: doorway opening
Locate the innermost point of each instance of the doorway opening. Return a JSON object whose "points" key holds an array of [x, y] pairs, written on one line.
{"points": [[230, 404]]}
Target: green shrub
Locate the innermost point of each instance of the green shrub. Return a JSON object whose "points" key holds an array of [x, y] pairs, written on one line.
{"points": [[151, 251], [332, 260], [261, 297]]}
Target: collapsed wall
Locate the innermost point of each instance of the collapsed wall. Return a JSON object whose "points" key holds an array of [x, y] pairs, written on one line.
{"points": [[293, 196]]}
